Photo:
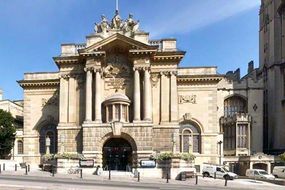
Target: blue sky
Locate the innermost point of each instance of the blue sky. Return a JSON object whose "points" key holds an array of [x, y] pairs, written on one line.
{"points": [[221, 33]]}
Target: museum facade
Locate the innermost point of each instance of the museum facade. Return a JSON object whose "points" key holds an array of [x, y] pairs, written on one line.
{"points": [[121, 97]]}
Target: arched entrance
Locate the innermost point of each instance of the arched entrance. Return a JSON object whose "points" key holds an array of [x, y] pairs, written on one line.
{"points": [[117, 154]]}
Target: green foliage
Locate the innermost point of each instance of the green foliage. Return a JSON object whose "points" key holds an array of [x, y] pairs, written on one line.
{"points": [[187, 156], [282, 156], [165, 156], [7, 133], [169, 155], [47, 157]]}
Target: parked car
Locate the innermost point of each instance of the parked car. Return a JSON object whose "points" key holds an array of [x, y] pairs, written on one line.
{"points": [[279, 171], [259, 174], [210, 170]]}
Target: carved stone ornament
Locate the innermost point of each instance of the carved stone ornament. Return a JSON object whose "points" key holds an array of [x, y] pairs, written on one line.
{"points": [[154, 79], [128, 26], [255, 107], [187, 99], [116, 67], [187, 116], [117, 128]]}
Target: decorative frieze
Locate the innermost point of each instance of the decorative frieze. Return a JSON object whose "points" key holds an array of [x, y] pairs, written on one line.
{"points": [[187, 99]]}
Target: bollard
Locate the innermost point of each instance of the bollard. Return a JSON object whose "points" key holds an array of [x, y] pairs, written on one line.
{"points": [[52, 170], [196, 180], [4, 167], [215, 175], [26, 173], [109, 174], [81, 173], [226, 182], [29, 168], [16, 167], [167, 177], [138, 176]]}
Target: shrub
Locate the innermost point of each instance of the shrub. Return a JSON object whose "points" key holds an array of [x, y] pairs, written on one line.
{"points": [[165, 156], [282, 156], [187, 156]]}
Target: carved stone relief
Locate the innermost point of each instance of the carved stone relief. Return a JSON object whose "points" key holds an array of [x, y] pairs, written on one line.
{"points": [[187, 99]]}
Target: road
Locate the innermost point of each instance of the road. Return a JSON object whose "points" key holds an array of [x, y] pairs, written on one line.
{"points": [[27, 182], [14, 182]]}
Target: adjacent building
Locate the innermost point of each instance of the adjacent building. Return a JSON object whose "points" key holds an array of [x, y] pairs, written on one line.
{"points": [[272, 62]]}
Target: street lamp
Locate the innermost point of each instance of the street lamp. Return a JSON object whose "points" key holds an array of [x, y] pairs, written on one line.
{"points": [[220, 151]]}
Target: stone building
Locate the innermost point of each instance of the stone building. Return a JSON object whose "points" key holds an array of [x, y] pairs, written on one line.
{"points": [[121, 97], [16, 109], [272, 62]]}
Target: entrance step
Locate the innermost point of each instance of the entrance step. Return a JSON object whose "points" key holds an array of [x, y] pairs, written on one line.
{"points": [[118, 173]]}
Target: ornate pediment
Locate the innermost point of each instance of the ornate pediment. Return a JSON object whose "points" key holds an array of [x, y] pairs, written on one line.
{"points": [[117, 39]]}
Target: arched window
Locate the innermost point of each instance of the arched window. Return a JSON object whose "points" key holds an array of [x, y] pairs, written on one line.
{"points": [[48, 140], [190, 138], [20, 147], [235, 104]]}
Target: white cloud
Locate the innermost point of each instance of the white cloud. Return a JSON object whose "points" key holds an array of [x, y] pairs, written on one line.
{"points": [[199, 14]]}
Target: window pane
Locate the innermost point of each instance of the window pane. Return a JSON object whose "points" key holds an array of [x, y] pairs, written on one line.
{"points": [[20, 147], [186, 143]]}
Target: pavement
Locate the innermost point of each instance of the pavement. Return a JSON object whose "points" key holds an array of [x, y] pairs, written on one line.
{"points": [[37, 179]]}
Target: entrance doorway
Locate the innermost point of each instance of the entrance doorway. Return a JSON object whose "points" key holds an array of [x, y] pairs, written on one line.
{"points": [[117, 154], [261, 166]]}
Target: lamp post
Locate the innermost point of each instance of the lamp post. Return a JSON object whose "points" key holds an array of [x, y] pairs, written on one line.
{"points": [[220, 151]]}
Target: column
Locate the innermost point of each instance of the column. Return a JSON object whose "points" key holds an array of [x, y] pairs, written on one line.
{"points": [[72, 100], [88, 116], [173, 96], [137, 96], [98, 117], [164, 98], [63, 98], [147, 96]]}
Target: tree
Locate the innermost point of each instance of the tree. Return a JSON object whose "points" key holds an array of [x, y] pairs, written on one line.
{"points": [[7, 133], [282, 156]]}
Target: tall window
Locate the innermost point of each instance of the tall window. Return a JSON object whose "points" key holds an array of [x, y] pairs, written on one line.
{"points": [[242, 130], [234, 105], [20, 147], [190, 138]]}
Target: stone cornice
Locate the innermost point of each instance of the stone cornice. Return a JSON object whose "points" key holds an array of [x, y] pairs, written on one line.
{"points": [[169, 56], [39, 83], [142, 52], [66, 60], [197, 78], [93, 54]]}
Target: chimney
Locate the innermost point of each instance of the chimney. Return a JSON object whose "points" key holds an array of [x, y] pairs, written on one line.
{"points": [[250, 67]]}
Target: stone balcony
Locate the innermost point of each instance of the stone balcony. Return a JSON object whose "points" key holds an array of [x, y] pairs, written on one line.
{"points": [[237, 117]]}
